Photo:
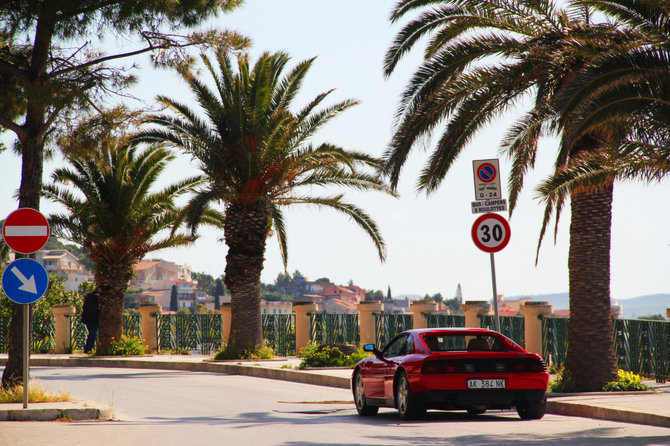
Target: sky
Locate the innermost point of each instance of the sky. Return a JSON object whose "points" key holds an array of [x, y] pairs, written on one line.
{"points": [[429, 246]]}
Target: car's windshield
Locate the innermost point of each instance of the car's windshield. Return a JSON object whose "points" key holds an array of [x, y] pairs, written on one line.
{"points": [[462, 342]]}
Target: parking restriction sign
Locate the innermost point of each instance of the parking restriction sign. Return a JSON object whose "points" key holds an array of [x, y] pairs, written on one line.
{"points": [[487, 179]]}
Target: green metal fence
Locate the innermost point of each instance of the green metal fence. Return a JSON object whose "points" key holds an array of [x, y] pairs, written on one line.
{"points": [[511, 326], [279, 333], [643, 347], [42, 340], [334, 328], [446, 320], [4, 333], [640, 346], [388, 326], [201, 333], [132, 326], [44, 333], [554, 339]]}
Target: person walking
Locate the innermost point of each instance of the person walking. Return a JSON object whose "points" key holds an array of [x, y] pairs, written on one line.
{"points": [[90, 316]]}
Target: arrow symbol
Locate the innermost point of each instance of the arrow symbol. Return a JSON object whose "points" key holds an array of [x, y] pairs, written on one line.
{"points": [[27, 284]]}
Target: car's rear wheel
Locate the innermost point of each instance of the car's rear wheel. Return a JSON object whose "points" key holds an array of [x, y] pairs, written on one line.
{"points": [[407, 403], [359, 397], [532, 410]]}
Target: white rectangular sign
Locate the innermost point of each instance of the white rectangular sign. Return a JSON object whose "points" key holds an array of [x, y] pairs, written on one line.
{"points": [[481, 207], [487, 179]]}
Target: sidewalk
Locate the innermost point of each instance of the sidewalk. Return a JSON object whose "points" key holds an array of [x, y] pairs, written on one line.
{"points": [[652, 408]]}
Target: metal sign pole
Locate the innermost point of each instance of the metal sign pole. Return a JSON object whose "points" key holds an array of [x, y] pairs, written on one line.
{"points": [[26, 352], [495, 294]]}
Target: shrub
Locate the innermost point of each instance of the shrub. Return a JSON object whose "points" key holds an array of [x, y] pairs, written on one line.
{"points": [[626, 382], [127, 346], [315, 355], [562, 383], [230, 352]]}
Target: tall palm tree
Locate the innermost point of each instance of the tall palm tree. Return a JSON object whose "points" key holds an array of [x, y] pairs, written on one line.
{"points": [[258, 159], [112, 212], [482, 57]]}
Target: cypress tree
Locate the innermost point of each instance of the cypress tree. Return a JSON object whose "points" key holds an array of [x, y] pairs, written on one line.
{"points": [[174, 301]]}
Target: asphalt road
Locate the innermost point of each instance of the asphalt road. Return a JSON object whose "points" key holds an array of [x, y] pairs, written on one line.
{"points": [[155, 407]]}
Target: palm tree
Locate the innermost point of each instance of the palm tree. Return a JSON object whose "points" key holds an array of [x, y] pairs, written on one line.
{"points": [[112, 212], [257, 156], [483, 56], [628, 91]]}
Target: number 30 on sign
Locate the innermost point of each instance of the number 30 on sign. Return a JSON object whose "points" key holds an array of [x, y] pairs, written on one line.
{"points": [[491, 232]]}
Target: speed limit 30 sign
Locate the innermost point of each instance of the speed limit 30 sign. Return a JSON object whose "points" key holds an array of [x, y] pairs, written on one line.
{"points": [[491, 232]]}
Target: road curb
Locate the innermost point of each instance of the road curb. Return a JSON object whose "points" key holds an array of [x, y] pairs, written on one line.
{"points": [[35, 413], [576, 409]]}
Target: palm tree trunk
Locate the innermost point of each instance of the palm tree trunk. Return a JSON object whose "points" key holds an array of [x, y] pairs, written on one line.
{"points": [[112, 282], [590, 361], [246, 229]]}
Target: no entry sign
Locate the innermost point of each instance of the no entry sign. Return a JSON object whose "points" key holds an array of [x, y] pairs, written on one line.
{"points": [[26, 230]]}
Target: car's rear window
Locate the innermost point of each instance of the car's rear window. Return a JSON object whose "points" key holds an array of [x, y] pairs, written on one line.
{"points": [[463, 342]]}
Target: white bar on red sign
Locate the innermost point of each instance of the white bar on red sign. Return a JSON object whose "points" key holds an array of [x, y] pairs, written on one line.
{"points": [[25, 231]]}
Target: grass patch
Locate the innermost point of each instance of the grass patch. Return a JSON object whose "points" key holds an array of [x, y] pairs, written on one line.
{"points": [[36, 394]]}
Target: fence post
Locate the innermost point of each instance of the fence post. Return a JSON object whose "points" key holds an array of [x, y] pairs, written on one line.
{"points": [[302, 331], [533, 324], [472, 310], [226, 312], [366, 319], [62, 340], [418, 309], [149, 325]]}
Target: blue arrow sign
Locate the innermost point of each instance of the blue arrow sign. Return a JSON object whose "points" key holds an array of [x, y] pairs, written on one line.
{"points": [[25, 281]]}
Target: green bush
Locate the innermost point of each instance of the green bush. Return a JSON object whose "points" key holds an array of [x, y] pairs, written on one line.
{"points": [[127, 346], [626, 382], [230, 352], [315, 355], [562, 383]]}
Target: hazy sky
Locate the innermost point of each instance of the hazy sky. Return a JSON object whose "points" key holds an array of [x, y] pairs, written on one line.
{"points": [[430, 249]]}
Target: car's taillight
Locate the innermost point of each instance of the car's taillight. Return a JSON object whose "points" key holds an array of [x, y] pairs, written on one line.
{"points": [[531, 365], [441, 367]]}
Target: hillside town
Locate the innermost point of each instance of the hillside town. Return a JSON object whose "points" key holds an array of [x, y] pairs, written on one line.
{"points": [[154, 280]]}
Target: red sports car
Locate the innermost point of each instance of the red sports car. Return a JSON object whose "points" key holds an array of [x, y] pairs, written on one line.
{"points": [[469, 369]]}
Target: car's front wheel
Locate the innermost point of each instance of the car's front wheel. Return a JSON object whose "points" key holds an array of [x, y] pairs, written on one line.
{"points": [[359, 397], [532, 410], [407, 403]]}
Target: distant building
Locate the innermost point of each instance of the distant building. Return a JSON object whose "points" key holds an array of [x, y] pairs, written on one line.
{"points": [[276, 307], [156, 277], [65, 265]]}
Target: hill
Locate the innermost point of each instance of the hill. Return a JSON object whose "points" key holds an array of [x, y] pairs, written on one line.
{"points": [[632, 308]]}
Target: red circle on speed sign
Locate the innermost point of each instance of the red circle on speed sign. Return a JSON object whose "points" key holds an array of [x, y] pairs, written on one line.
{"points": [[26, 230], [491, 232]]}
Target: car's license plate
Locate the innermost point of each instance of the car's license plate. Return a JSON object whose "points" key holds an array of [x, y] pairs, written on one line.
{"points": [[495, 383]]}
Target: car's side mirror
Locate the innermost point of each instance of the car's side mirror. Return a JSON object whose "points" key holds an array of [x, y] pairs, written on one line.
{"points": [[372, 349]]}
